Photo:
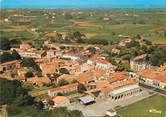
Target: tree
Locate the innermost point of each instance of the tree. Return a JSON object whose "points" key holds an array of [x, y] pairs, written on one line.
{"points": [[13, 92], [138, 36], [19, 103], [123, 67], [158, 56], [60, 94], [8, 89], [5, 44], [75, 113], [50, 102], [78, 37], [133, 43], [29, 74], [39, 105], [142, 21], [15, 55], [5, 57], [92, 50], [63, 71], [15, 43], [165, 33], [29, 62], [81, 88], [68, 16], [39, 74], [62, 82], [23, 100], [147, 42]]}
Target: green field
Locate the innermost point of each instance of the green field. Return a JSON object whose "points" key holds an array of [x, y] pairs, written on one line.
{"points": [[149, 23], [154, 106]]}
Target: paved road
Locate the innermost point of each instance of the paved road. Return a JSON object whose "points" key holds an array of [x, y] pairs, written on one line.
{"points": [[101, 106]]}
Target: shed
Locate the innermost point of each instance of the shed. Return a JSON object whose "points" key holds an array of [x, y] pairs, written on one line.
{"points": [[111, 113], [87, 100]]}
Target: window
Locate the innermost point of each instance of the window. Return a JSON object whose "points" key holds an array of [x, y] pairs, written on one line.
{"points": [[121, 95], [4, 68]]}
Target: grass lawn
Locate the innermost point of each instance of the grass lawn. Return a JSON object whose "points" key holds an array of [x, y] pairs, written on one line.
{"points": [[38, 92], [154, 106]]}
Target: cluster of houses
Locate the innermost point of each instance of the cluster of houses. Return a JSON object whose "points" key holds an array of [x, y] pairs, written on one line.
{"points": [[92, 71], [153, 77]]}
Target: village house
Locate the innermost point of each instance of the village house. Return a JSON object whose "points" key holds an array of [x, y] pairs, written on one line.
{"points": [[88, 78], [155, 77], [59, 53], [43, 60], [51, 54], [67, 77], [85, 53], [32, 53], [100, 62], [115, 85], [50, 68], [119, 89], [140, 63], [71, 57], [115, 51], [25, 46], [63, 89], [124, 42], [38, 81], [61, 101], [15, 64], [85, 67], [71, 66], [91, 62], [103, 64], [21, 73]]}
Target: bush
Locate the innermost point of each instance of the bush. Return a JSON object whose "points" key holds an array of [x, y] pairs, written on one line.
{"points": [[29, 62], [29, 74], [5, 44], [62, 82], [63, 71], [81, 88]]}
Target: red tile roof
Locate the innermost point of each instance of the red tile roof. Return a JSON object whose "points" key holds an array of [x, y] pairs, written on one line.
{"points": [[39, 81], [64, 87], [118, 84], [154, 74], [11, 62], [102, 61], [50, 67], [59, 99]]}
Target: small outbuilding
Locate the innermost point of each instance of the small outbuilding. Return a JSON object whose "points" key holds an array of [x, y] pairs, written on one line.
{"points": [[111, 113], [87, 100]]}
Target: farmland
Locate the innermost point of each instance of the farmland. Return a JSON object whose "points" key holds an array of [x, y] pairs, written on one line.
{"points": [[106, 24]]}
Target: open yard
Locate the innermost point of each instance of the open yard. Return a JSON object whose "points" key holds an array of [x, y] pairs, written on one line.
{"points": [[38, 91], [154, 106]]}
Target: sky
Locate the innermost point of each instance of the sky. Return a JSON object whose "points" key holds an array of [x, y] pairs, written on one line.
{"points": [[82, 3]]}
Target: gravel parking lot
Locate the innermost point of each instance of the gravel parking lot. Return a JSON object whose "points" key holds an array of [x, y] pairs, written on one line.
{"points": [[102, 105]]}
